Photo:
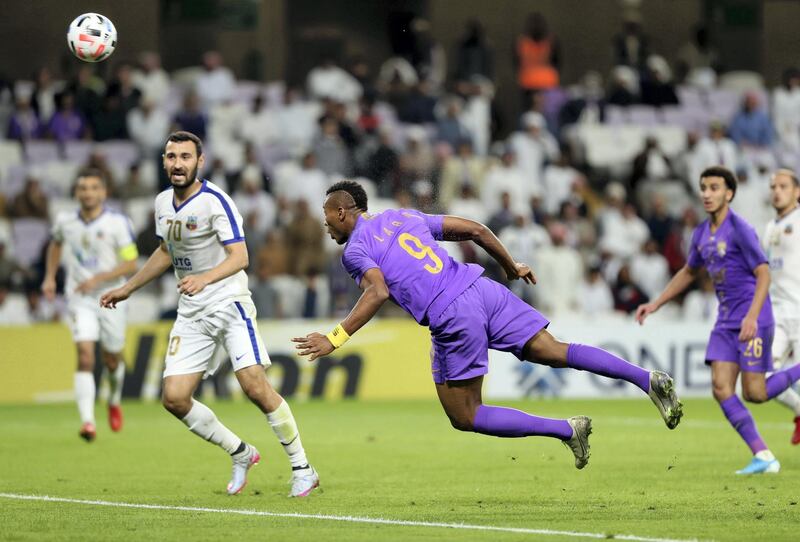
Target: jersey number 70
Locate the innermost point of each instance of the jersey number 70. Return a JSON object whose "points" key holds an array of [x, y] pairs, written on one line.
{"points": [[421, 252]]}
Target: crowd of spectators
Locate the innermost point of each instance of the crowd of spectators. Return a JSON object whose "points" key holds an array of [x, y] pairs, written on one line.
{"points": [[602, 236]]}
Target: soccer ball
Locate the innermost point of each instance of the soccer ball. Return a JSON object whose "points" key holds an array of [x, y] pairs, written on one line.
{"points": [[92, 37]]}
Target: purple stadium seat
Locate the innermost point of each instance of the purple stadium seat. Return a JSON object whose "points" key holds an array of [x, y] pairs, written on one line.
{"points": [[78, 151], [642, 115], [119, 152], [41, 152], [30, 236]]}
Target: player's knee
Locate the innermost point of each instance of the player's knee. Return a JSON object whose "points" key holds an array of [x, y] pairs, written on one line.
{"points": [[177, 406], [462, 424], [721, 392], [754, 396]]}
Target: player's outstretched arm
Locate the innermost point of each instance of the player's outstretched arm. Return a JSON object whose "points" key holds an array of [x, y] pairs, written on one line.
{"points": [[236, 260], [52, 261], [123, 269], [679, 283], [374, 295], [455, 228], [158, 262]]}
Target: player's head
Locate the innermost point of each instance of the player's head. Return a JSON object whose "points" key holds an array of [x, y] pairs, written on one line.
{"points": [[784, 190], [90, 188], [344, 202], [717, 188], [183, 158]]}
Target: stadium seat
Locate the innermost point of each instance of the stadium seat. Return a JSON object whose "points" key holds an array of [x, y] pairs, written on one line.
{"points": [[42, 151], [59, 205], [642, 115], [741, 81], [10, 155], [30, 236], [140, 211], [78, 151], [120, 151], [58, 177]]}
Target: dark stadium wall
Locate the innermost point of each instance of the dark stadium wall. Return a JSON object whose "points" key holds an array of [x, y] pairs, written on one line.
{"points": [[33, 32], [781, 40]]}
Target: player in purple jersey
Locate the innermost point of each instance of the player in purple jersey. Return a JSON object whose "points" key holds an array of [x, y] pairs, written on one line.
{"points": [[741, 341], [395, 255]]}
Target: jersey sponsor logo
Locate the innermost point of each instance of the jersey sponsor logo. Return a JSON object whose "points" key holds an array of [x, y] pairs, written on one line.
{"points": [[182, 263], [191, 223]]}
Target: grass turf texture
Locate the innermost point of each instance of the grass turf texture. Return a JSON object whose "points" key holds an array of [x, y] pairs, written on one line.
{"points": [[398, 460]]}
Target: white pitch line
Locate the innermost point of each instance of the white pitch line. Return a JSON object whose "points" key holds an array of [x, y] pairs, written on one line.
{"points": [[350, 519]]}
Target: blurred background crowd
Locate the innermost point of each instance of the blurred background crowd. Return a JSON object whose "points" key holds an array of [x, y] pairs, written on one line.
{"points": [[593, 184]]}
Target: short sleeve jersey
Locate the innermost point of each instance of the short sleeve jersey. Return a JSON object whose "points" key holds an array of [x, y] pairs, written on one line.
{"points": [[730, 255], [422, 278], [93, 247], [781, 242], [196, 233]]}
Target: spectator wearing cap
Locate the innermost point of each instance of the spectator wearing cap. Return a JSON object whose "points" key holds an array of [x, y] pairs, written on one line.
{"points": [[534, 146]]}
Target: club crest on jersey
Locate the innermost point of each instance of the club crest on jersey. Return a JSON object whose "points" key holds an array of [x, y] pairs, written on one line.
{"points": [[722, 247], [191, 223], [788, 229]]}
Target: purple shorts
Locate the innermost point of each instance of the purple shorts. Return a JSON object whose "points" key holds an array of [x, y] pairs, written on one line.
{"points": [[753, 356], [486, 315]]}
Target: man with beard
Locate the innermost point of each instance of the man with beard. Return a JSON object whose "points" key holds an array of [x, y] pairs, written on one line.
{"points": [[201, 236]]}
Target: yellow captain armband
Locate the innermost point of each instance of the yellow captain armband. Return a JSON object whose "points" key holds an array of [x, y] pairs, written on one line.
{"points": [[338, 336], [129, 252]]}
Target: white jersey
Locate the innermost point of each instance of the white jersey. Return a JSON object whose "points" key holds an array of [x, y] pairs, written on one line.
{"points": [[781, 243], [196, 233], [89, 248]]}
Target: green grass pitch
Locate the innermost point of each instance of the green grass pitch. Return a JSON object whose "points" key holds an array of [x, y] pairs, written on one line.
{"points": [[399, 461]]}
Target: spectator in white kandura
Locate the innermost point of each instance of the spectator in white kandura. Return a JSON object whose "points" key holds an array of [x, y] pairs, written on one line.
{"points": [[622, 232], [650, 270], [330, 81], [505, 176], [330, 149], [260, 126], [309, 184], [701, 304], [151, 79], [256, 206], [561, 268], [525, 239], [714, 150], [786, 110], [217, 83], [595, 294], [148, 127], [297, 122], [557, 181], [468, 205], [534, 146], [461, 168]]}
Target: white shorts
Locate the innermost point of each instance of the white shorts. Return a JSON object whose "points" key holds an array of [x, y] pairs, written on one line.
{"points": [[192, 343], [785, 343], [88, 321]]}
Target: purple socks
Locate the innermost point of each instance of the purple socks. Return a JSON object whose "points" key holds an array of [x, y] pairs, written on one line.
{"points": [[597, 361], [508, 422], [741, 420], [781, 380]]}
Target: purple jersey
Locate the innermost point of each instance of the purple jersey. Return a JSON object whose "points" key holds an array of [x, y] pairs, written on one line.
{"points": [[730, 255], [422, 278]]}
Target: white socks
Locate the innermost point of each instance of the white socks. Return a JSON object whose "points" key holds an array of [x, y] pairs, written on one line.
{"points": [[285, 429], [84, 395], [115, 379], [790, 399], [765, 455], [202, 421]]}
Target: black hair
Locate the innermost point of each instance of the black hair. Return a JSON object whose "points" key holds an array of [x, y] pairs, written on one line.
{"points": [[181, 136], [91, 172], [725, 173], [352, 188]]}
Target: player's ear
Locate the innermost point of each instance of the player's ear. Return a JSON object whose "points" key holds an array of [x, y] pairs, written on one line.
{"points": [[201, 160]]}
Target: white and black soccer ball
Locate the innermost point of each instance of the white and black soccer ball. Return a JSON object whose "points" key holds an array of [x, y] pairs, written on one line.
{"points": [[92, 37]]}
